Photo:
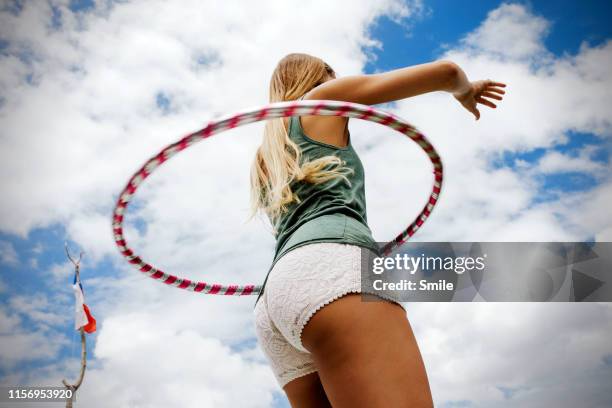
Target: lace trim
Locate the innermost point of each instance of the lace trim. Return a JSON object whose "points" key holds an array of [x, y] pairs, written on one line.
{"points": [[336, 297], [295, 375]]}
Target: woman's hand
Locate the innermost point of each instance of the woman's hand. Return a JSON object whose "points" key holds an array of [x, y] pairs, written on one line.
{"points": [[477, 92]]}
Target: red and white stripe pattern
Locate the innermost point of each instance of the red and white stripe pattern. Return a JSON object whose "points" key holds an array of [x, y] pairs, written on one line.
{"points": [[271, 111]]}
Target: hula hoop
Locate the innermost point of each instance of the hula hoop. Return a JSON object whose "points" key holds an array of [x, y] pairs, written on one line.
{"points": [[271, 111]]}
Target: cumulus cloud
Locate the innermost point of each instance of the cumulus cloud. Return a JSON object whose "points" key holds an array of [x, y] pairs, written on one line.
{"points": [[515, 354], [510, 21], [38, 309], [19, 344], [556, 162], [192, 370]]}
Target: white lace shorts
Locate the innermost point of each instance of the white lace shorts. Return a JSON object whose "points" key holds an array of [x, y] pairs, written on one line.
{"points": [[303, 281]]}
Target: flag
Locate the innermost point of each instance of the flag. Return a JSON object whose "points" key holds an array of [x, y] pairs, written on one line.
{"points": [[83, 317]]}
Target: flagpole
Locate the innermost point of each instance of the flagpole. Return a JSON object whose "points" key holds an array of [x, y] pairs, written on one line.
{"points": [[74, 387]]}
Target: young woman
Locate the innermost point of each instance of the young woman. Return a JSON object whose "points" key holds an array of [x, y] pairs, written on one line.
{"points": [[326, 347]]}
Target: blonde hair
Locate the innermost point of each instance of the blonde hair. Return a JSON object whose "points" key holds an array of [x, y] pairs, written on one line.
{"points": [[276, 164]]}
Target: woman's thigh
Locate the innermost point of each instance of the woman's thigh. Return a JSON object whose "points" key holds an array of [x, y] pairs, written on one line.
{"points": [[307, 392], [367, 355]]}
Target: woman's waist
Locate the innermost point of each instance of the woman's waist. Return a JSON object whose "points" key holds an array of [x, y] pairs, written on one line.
{"points": [[337, 226]]}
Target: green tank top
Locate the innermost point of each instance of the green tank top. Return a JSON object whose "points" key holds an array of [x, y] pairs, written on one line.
{"points": [[328, 212]]}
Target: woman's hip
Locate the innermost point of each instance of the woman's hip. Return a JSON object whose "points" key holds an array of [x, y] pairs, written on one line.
{"points": [[306, 279]]}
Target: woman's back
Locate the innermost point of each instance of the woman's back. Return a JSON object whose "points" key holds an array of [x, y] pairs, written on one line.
{"points": [[334, 211]]}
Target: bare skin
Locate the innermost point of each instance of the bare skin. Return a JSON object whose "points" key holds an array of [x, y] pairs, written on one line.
{"points": [[307, 392], [395, 85], [365, 352]]}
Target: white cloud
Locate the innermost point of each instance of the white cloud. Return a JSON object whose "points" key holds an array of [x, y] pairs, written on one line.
{"points": [[38, 309], [61, 271], [555, 162], [510, 21], [8, 323], [191, 370], [588, 212], [555, 350], [20, 348], [20, 344], [8, 254]]}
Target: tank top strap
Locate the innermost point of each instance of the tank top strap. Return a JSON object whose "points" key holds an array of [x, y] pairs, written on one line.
{"points": [[291, 120]]}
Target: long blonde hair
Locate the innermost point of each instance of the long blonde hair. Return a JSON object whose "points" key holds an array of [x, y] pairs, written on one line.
{"points": [[277, 161]]}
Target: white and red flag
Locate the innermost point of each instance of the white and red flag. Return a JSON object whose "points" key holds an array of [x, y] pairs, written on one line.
{"points": [[83, 317]]}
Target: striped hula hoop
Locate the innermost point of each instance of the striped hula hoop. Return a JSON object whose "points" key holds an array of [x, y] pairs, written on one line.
{"points": [[271, 111]]}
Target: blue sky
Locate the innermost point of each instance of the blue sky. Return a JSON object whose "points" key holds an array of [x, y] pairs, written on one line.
{"points": [[34, 265]]}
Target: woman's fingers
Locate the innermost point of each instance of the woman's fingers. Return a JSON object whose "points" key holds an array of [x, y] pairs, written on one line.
{"points": [[490, 82], [491, 95], [494, 89], [476, 113], [485, 102], [472, 107]]}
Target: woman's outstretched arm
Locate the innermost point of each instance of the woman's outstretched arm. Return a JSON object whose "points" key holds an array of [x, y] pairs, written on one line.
{"points": [[441, 75]]}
